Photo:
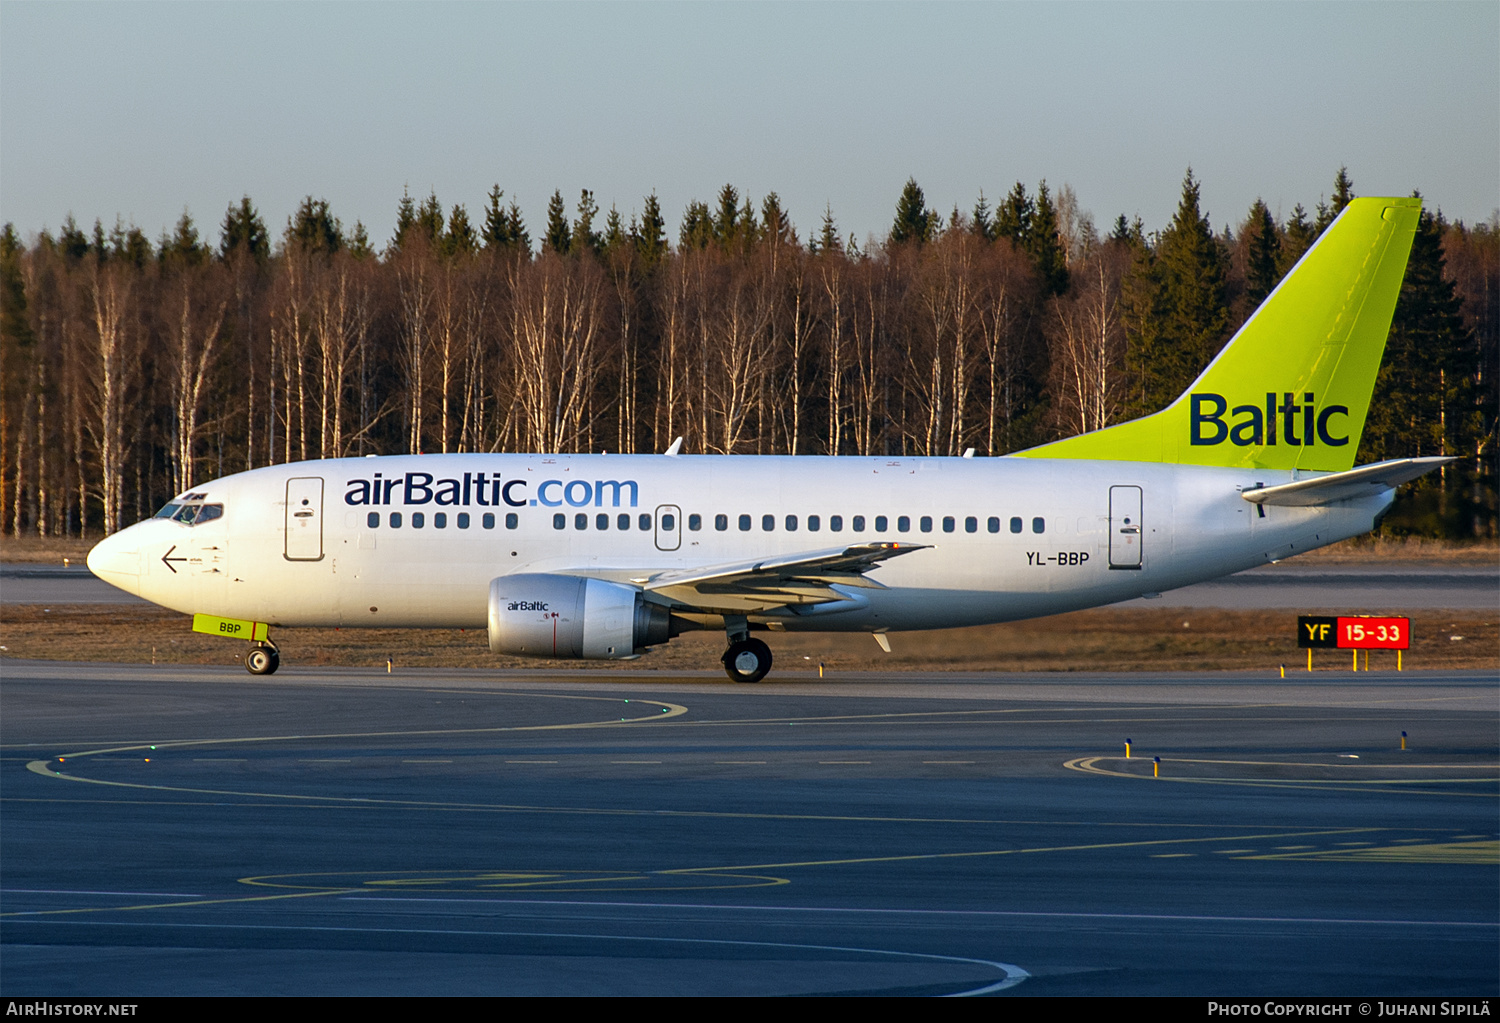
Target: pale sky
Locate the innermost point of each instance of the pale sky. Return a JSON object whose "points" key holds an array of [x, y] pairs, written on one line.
{"points": [[138, 110]]}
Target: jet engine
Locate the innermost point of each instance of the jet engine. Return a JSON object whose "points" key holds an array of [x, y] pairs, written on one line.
{"points": [[570, 616]]}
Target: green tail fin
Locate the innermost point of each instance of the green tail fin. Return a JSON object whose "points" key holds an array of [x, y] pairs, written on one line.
{"points": [[1291, 389]]}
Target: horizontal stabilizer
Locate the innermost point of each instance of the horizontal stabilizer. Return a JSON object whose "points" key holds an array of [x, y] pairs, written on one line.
{"points": [[1343, 486]]}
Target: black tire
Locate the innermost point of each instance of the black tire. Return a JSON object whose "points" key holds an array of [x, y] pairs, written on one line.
{"points": [[747, 661], [262, 660]]}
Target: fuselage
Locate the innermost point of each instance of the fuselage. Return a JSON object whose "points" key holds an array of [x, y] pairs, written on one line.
{"points": [[415, 540]]}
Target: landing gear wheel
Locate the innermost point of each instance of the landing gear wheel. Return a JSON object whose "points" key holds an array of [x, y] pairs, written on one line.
{"points": [[262, 660], [747, 661]]}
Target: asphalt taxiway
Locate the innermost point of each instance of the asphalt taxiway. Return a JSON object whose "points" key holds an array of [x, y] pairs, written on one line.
{"points": [[199, 831]]}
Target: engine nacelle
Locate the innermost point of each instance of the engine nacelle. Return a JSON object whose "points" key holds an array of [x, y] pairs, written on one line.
{"points": [[569, 616]]}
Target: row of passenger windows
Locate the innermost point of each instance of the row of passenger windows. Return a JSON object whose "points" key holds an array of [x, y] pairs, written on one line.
{"points": [[813, 523], [440, 520]]}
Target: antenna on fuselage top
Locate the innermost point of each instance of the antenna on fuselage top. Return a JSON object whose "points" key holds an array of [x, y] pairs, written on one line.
{"points": [[674, 449]]}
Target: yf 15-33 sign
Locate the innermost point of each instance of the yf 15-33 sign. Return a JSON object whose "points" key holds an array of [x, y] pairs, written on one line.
{"points": [[1353, 633]]}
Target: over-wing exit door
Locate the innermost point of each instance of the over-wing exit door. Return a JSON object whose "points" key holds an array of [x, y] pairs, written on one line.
{"points": [[304, 519], [1125, 529]]}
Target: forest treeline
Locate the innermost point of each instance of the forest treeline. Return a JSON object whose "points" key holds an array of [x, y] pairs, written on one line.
{"points": [[132, 370]]}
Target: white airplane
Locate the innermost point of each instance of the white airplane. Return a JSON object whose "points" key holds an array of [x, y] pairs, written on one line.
{"points": [[604, 556]]}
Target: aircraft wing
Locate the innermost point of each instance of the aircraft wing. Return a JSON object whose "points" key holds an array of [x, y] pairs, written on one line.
{"points": [[792, 580], [1341, 486]]}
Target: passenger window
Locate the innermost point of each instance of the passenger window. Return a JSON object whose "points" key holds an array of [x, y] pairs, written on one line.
{"points": [[488, 521], [669, 522], [971, 525], [993, 524], [948, 523], [372, 520], [512, 520], [644, 521], [791, 523], [559, 521], [903, 524], [744, 523], [463, 520], [695, 522], [1038, 525], [881, 524], [814, 523], [601, 521], [581, 520], [623, 520], [418, 520], [1015, 524], [721, 522], [926, 523], [439, 520], [859, 523], [395, 520], [835, 523]]}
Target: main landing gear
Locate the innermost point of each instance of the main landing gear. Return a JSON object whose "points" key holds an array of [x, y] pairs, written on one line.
{"points": [[746, 660], [262, 659]]}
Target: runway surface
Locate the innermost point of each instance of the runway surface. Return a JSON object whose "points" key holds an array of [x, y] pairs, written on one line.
{"points": [[1292, 584], [191, 830]]}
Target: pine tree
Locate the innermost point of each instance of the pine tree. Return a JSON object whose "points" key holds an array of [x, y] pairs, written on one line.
{"points": [[430, 220], [651, 241], [828, 235], [1298, 238], [497, 234], [1045, 246], [615, 235], [243, 230], [359, 242], [559, 236], [406, 219], [1262, 255], [914, 221], [697, 230], [585, 238], [982, 222], [1013, 218], [1425, 402], [312, 229], [460, 238], [72, 242], [1176, 318], [1343, 191], [182, 245], [775, 222], [727, 219]]}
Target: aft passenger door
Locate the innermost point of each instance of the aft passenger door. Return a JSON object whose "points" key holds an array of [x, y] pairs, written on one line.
{"points": [[1125, 527], [304, 519]]}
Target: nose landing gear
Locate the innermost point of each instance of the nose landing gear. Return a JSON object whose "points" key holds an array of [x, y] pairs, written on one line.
{"points": [[262, 659]]}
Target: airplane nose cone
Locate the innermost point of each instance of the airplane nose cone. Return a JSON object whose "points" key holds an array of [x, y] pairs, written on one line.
{"points": [[117, 560]]}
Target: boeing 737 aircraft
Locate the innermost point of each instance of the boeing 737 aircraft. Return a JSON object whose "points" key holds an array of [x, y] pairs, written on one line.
{"points": [[604, 556]]}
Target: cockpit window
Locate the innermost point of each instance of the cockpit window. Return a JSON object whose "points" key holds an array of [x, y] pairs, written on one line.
{"points": [[191, 514]]}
